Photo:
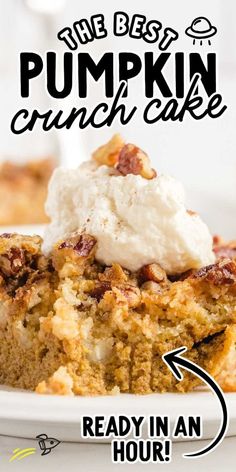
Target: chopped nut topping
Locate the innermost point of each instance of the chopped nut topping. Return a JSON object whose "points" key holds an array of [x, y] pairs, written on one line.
{"points": [[131, 293], [114, 274], [12, 262], [99, 290], [152, 272], [72, 255], [222, 273], [83, 244], [109, 152], [132, 160]]}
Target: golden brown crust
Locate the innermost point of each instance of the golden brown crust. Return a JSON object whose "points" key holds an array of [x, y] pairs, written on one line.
{"points": [[76, 251]]}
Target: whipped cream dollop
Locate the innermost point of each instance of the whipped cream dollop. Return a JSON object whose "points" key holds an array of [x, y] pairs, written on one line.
{"points": [[135, 221]]}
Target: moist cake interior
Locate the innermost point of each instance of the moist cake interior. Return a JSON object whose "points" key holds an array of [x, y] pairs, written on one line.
{"points": [[69, 325]]}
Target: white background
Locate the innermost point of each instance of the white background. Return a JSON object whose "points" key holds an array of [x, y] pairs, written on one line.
{"points": [[199, 153]]}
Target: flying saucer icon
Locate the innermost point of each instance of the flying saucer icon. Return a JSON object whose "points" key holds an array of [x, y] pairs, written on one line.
{"points": [[201, 28]]}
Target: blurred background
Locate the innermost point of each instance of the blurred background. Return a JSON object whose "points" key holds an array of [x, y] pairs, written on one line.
{"points": [[199, 153]]}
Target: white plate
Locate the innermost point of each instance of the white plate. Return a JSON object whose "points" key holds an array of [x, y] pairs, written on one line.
{"points": [[27, 414]]}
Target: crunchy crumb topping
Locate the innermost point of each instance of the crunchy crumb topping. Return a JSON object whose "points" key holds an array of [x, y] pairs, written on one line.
{"points": [[131, 294], [221, 273], [82, 245], [68, 253], [114, 274], [99, 289], [20, 259], [12, 262]]}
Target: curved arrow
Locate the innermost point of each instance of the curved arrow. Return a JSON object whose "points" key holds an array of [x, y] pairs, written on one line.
{"points": [[173, 359]]}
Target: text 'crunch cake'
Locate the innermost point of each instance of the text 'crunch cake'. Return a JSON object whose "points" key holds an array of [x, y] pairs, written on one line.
{"points": [[75, 322]]}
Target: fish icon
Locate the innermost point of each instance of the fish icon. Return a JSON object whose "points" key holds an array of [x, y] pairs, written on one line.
{"points": [[46, 444]]}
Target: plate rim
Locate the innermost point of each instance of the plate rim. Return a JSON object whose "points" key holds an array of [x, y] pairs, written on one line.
{"points": [[30, 406]]}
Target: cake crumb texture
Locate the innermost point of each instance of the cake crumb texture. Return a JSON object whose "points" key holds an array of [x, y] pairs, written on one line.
{"points": [[72, 326]]}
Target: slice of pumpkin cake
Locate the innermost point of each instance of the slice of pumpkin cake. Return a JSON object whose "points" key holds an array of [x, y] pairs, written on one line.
{"points": [[71, 325]]}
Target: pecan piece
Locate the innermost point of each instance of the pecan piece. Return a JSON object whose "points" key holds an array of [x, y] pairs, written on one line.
{"points": [[152, 272], [132, 160], [71, 256], [82, 245], [221, 273], [99, 290], [12, 261], [85, 245], [114, 274], [109, 152], [131, 294]]}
